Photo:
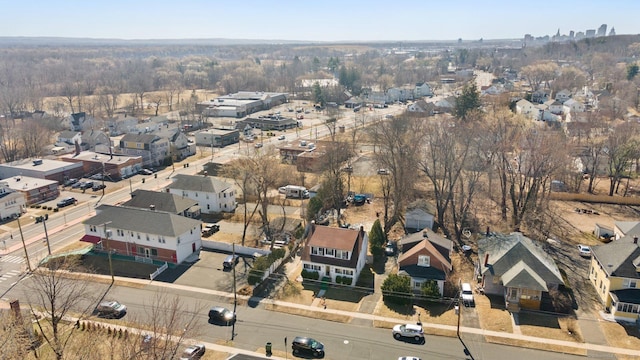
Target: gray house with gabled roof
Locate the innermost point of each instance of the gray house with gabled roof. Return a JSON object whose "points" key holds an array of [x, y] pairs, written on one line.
{"points": [[516, 268], [145, 235], [615, 272], [164, 201], [152, 148], [212, 194]]}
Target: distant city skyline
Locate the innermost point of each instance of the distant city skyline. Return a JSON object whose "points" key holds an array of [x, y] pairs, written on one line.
{"points": [[330, 20]]}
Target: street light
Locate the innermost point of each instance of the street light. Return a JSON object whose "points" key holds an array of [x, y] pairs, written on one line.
{"points": [[44, 219]]}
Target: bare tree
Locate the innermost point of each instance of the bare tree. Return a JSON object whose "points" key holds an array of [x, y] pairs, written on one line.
{"points": [[622, 148], [241, 171], [34, 136], [53, 294], [15, 335]]}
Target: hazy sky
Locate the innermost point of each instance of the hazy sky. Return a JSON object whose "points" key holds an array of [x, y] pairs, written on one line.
{"points": [[319, 20]]}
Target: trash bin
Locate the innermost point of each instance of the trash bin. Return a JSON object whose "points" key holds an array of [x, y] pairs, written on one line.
{"points": [[268, 348]]}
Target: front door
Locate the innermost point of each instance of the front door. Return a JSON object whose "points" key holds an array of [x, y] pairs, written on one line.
{"points": [[147, 252]]}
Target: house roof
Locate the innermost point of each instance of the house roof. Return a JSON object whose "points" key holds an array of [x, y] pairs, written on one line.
{"points": [[504, 252], [143, 220], [68, 134], [422, 272], [521, 275], [334, 238], [140, 138], [629, 296], [442, 244], [162, 201], [618, 256], [208, 184], [424, 247], [628, 226]]}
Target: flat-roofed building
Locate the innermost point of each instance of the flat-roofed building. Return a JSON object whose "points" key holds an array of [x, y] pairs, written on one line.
{"points": [[49, 169]]}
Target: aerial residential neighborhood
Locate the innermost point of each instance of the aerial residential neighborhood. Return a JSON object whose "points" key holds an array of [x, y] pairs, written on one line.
{"points": [[461, 199]]}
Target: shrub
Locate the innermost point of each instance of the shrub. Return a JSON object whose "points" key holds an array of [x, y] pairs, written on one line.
{"points": [[262, 264], [338, 279], [55, 210], [310, 275], [347, 280], [397, 289]]}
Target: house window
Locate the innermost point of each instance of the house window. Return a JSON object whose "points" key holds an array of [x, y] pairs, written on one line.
{"points": [[417, 285], [138, 235], [225, 195], [120, 232], [154, 252], [312, 267], [629, 283], [184, 194], [530, 294], [330, 252], [424, 260], [147, 237], [92, 228], [314, 250], [208, 206]]}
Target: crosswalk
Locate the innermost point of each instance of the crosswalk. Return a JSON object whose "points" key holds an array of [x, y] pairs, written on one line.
{"points": [[12, 259], [9, 275]]}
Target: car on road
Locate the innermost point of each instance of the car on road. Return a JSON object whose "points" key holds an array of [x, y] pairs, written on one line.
{"points": [[409, 331], [308, 346], [383, 172], [145, 172], [66, 202], [585, 251], [281, 137], [111, 309], [258, 145], [97, 187], [193, 352], [466, 294], [408, 358], [221, 315]]}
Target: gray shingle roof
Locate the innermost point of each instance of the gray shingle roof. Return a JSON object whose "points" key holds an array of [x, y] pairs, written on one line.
{"points": [[208, 184], [140, 138], [508, 251], [163, 201], [143, 220], [617, 257]]}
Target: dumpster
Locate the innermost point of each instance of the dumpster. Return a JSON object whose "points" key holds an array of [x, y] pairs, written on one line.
{"points": [[268, 348]]}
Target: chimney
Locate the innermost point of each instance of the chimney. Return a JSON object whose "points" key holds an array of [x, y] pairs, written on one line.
{"points": [[635, 239], [152, 207], [486, 259]]}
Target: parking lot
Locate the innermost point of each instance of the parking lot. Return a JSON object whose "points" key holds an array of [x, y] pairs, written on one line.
{"points": [[208, 273]]}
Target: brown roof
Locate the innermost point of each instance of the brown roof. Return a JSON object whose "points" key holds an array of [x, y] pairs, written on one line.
{"points": [[334, 238], [428, 247]]}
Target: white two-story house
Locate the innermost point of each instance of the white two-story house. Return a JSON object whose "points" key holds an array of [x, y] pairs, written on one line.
{"points": [[335, 253], [146, 235], [212, 194]]}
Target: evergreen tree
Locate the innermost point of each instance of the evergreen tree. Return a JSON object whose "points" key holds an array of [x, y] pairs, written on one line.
{"points": [[397, 289], [468, 101]]}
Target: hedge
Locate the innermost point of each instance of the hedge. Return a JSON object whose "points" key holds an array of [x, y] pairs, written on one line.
{"points": [[261, 264]]}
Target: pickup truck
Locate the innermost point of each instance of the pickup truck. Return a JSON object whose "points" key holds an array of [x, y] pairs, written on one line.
{"points": [[210, 229]]}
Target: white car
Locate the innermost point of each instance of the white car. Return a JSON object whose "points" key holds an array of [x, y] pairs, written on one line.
{"points": [[408, 358], [584, 250], [408, 331], [281, 137], [466, 294]]}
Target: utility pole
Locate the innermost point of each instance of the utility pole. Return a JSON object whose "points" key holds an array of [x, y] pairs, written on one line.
{"points": [[26, 255], [235, 294], [46, 235], [106, 236]]}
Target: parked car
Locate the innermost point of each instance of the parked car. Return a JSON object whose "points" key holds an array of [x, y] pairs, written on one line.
{"points": [[221, 315], [466, 294], [390, 248], [258, 145], [97, 187], [410, 331], [66, 202], [308, 346], [210, 229], [70, 182], [77, 185], [193, 352], [86, 185], [383, 172], [230, 262], [145, 172], [97, 176], [408, 358], [111, 309], [281, 137], [584, 250]]}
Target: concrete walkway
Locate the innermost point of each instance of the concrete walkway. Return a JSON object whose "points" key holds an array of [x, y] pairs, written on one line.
{"points": [[371, 317]]}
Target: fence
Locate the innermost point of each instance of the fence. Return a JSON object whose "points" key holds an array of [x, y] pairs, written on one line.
{"points": [[159, 271]]}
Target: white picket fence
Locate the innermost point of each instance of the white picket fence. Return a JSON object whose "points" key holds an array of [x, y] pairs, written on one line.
{"points": [[159, 271]]}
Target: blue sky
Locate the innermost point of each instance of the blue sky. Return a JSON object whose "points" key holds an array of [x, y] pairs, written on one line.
{"points": [[325, 20]]}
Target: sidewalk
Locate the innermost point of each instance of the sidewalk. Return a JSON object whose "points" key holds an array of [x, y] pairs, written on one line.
{"points": [[358, 315]]}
